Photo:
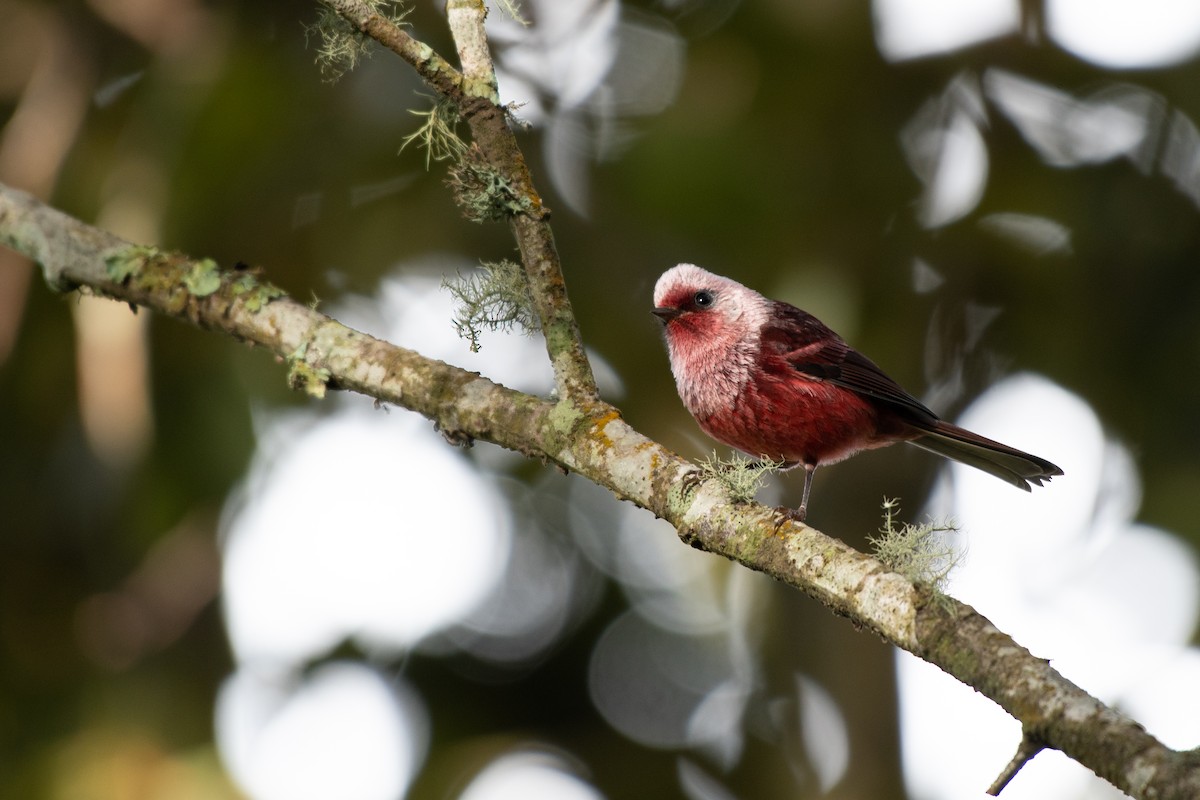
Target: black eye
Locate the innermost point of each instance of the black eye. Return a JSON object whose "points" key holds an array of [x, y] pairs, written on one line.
{"points": [[703, 299]]}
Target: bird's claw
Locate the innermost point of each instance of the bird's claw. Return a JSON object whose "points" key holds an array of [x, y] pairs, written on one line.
{"points": [[690, 480], [784, 515]]}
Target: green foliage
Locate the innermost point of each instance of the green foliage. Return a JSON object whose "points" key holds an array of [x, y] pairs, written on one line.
{"points": [[342, 45], [438, 134], [741, 477], [496, 298], [918, 552]]}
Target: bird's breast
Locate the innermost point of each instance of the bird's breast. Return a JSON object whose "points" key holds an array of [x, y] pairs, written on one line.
{"points": [[710, 378], [793, 418]]}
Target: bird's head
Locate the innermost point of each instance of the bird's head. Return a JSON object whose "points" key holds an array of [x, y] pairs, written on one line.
{"points": [[697, 306]]}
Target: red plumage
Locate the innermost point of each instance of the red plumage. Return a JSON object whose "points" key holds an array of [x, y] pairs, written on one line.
{"points": [[773, 381]]}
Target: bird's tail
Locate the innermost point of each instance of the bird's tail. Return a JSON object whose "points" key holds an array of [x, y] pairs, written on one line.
{"points": [[1006, 463]]}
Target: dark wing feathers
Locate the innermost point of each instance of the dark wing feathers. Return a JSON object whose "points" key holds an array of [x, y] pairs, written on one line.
{"points": [[814, 349], [808, 346]]}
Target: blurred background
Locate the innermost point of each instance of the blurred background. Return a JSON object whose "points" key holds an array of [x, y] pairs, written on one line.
{"points": [[211, 587]]}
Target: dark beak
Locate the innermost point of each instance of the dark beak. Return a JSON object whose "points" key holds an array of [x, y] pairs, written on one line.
{"points": [[666, 314]]}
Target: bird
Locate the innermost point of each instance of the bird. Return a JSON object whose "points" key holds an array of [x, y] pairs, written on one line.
{"points": [[774, 382]]}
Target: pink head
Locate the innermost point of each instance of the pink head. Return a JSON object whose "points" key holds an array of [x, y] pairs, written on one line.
{"points": [[696, 305], [713, 325]]}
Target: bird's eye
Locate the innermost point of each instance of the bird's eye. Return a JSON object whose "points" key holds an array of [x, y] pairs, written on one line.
{"points": [[703, 299]]}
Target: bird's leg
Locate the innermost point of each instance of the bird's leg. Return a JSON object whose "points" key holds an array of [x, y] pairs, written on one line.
{"points": [[798, 514], [809, 471]]}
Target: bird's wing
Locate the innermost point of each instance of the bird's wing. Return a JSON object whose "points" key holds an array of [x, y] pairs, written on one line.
{"points": [[812, 348]]}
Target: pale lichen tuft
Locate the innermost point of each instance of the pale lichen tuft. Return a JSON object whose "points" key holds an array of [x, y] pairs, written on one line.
{"points": [[482, 192], [495, 298], [438, 134], [921, 553], [342, 45], [513, 9], [741, 477]]}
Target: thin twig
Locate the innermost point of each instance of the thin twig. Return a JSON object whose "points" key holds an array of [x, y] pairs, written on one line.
{"points": [[1030, 746], [436, 71]]}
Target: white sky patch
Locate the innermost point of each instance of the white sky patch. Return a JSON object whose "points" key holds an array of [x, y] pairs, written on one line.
{"points": [[945, 148], [364, 524], [1117, 121], [1117, 34], [341, 731], [907, 29], [529, 775], [1121, 34]]}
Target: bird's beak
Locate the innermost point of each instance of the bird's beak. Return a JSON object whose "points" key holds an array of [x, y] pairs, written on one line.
{"points": [[666, 314]]}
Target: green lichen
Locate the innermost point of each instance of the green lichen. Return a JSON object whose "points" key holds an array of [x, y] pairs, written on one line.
{"points": [[564, 417], [680, 494], [256, 293], [482, 193], [483, 87], [203, 278], [303, 377], [424, 52], [123, 264], [921, 553]]}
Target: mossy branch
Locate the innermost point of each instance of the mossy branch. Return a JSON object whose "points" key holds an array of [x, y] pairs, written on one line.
{"points": [[366, 18], [596, 443], [497, 162], [740, 477], [342, 45]]}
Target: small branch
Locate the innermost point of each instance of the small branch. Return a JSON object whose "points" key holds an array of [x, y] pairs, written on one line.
{"points": [[473, 91], [433, 69], [1030, 746], [596, 443], [531, 229], [465, 18]]}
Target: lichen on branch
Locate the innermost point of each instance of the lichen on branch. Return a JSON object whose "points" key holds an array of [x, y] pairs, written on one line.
{"points": [[921, 552], [341, 44], [494, 298]]}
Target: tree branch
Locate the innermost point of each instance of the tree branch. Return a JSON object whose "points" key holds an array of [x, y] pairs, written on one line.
{"points": [[593, 441], [473, 93]]}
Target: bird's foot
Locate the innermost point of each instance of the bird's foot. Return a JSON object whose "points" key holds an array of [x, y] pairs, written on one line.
{"points": [[692, 479], [784, 515]]}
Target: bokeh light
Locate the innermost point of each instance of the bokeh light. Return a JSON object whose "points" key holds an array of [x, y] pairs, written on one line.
{"points": [[1111, 603], [1124, 35]]}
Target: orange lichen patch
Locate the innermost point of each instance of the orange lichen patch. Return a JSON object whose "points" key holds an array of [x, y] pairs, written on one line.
{"points": [[598, 428]]}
